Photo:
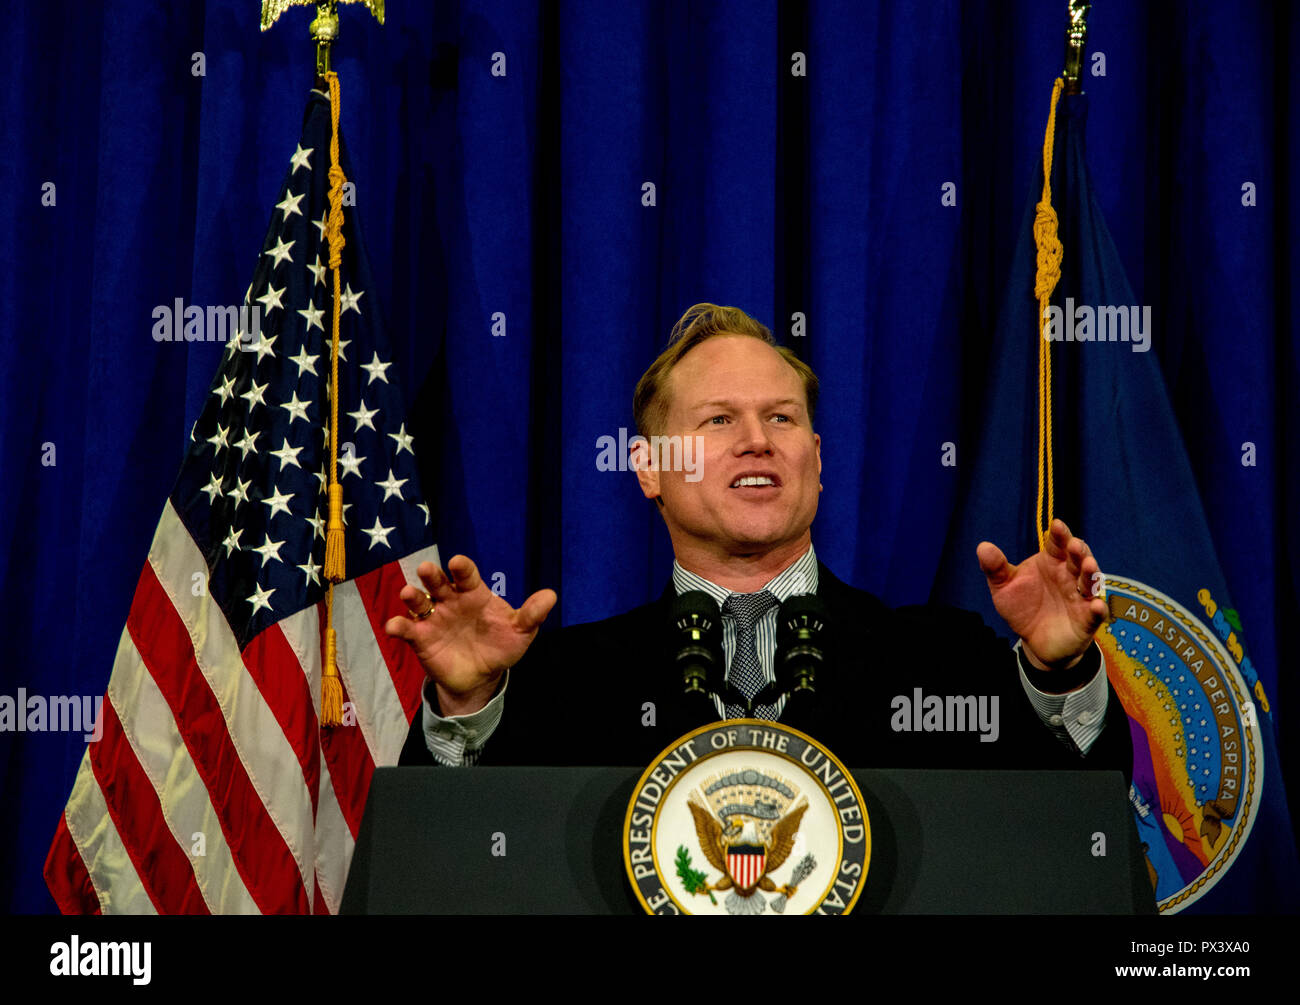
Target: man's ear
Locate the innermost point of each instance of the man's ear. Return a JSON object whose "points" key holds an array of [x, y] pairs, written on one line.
{"points": [[647, 474], [817, 442]]}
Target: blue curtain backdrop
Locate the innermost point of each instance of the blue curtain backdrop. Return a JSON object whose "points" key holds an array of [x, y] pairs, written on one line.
{"points": [[517, 200]]}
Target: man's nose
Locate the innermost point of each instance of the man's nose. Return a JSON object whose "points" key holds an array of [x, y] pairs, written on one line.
{"points": [[752, 436]]}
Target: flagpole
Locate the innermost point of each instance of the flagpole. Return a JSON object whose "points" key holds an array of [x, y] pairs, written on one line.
{"points": [[324, 30], [1076, 45]]}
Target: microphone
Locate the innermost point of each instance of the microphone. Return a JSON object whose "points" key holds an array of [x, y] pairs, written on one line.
{"points": [[697, 637], [801, 631]]}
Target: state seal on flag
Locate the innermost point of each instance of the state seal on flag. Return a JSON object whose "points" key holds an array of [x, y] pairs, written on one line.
{"points": [[746, 816], [1198, 758]]}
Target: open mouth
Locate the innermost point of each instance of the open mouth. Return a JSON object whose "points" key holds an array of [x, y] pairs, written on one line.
{"points": [[755, 482]]}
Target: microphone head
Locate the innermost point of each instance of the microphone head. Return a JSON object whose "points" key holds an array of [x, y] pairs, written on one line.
{"points": [[800, 618], [801, 630], [695, 611], [697, 642]]}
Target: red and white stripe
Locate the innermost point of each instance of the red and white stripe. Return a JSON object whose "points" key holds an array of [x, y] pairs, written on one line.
{"points": [[212, 789], [746, 868]]}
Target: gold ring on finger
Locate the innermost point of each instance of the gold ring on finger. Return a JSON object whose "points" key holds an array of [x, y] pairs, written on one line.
{"points": [[424, 614]]}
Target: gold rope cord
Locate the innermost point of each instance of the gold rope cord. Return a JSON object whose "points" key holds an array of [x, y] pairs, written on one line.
{"points": [[1047, 275], [331, 694]]}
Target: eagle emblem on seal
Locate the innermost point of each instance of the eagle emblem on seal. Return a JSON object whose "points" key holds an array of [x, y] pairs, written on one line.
{"points": [[747, 824]]}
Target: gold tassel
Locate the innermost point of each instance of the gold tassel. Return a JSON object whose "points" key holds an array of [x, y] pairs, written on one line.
{"points": [[331, 687], [335, 562]]}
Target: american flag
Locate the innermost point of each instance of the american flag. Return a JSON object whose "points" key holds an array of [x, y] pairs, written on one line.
{"points": [[213, 789]]}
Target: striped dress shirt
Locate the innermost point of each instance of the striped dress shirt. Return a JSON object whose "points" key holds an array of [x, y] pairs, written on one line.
{"points": [[798, 578]]}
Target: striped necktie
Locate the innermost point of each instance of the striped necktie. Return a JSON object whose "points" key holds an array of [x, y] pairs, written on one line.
{"points": [[746, 672]]}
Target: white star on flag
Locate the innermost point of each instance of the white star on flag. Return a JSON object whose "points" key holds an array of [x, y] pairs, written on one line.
{"points": [[392, 486], [245, 444], [262, 347], [300, 159], [349, 463], [280, 252], [287, 455], [213, 488], [364, 417], [260, 598], [240, 492], [378, 533], [269, 549], [376, 370], [313, 314], [296, 409], [312, 571], [349, 300], [218, 439], [271, 299], [254, 395], [278, 501], [404, 439], [289, 204], [304, 362], [226, 389]]}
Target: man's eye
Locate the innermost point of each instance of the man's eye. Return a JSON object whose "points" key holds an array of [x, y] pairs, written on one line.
{"points": [[718, 419], [783, 418]]}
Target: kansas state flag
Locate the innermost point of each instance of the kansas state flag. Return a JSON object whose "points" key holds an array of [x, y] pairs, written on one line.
{"points": [[1207, 794]]}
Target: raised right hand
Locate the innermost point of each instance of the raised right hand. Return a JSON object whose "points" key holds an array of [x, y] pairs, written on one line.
{"points": [[471, 637]]}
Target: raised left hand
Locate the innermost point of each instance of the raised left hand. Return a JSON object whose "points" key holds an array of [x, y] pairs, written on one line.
{"points": [[1052, 600]]}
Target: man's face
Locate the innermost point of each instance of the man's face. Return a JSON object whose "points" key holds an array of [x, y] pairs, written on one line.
{"points": [[746, 405]]}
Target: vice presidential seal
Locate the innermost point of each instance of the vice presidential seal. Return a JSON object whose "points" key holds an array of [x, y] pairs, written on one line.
{"points": [[746, 816]]}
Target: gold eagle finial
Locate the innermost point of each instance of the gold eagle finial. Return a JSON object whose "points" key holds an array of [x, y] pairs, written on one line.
{"points": [[272, 9], [324, 28]]}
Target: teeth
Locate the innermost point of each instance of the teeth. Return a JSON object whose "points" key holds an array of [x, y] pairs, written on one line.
{"points": [[752, 480]]}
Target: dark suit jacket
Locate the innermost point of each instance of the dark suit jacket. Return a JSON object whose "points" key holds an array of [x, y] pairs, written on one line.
{"points": [[579, 695]]}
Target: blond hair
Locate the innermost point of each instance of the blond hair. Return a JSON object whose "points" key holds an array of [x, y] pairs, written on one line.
{"points": [[700, 323]]}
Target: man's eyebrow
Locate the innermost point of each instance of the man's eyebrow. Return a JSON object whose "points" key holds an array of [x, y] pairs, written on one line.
{"points": [[722, 403]]}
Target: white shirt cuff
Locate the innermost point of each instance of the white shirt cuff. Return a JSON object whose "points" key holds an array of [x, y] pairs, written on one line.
{"points": [[458, 740], [1077, 716]]}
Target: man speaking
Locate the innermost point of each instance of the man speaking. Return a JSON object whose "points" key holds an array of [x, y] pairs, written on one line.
{"points": [[913, 687]]}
